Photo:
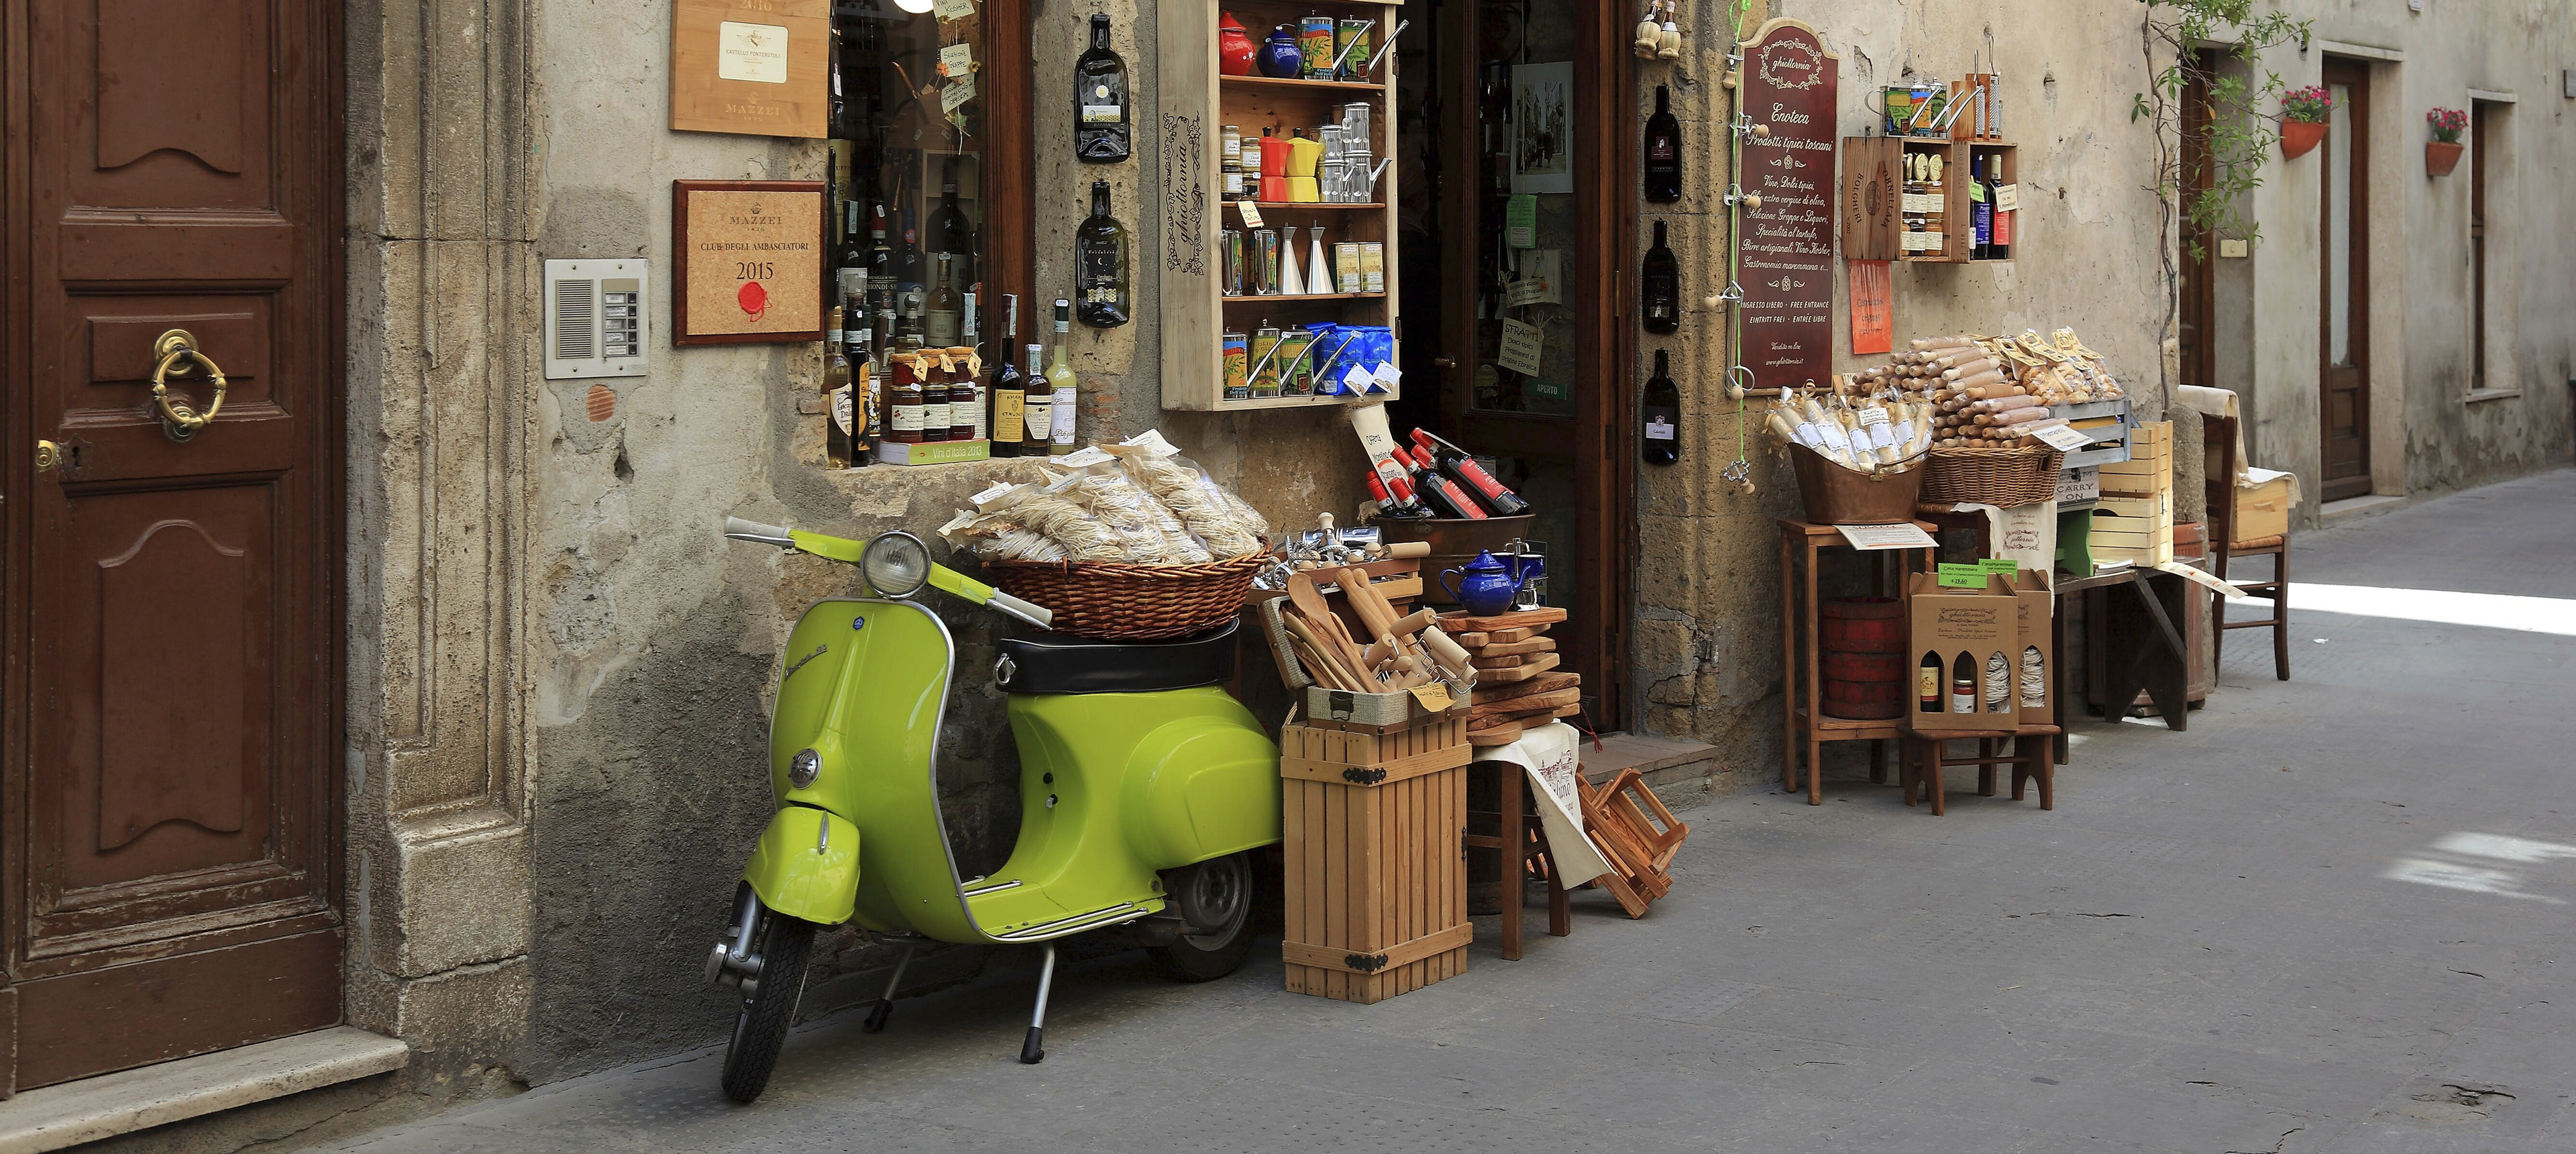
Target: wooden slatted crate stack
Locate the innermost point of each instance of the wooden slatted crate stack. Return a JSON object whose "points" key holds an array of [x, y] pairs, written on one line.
{"points": [[1517, 682], [1376, 888], [2134, 521]]}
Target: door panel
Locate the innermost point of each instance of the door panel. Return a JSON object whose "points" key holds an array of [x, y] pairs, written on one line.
{"points": [[170, 813], [2344, 227]]}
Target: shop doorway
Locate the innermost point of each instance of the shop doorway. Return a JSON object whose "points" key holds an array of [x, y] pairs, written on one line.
{"points": [[2198, 324], [1514, 112], [169, 800], [2343, 217]]}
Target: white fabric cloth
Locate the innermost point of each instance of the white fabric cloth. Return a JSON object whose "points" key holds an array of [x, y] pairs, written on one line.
{"points": [[1551, 755], [2025, 533], [2210, 402]]}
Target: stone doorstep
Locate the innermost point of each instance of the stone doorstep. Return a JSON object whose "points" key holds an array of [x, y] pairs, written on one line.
{"points": [[1665, 765], [87, 1110]]}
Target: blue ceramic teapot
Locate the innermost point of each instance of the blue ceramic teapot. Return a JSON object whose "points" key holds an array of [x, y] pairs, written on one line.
{"points": [[1279, 58], [1488, 587]]}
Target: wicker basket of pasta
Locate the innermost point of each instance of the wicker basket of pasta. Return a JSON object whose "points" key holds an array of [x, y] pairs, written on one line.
{"points": [[1128, 542]]}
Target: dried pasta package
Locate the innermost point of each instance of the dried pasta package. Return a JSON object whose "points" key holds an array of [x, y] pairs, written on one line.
{"points": [[1000, 537], [1063, 520], [1158, 468], [1097, 484]]}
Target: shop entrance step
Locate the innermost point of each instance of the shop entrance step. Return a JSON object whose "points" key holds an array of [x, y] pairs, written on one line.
{"points": [[1682, 773]]}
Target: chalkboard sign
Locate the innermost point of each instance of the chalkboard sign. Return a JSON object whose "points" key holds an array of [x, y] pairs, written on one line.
{"points": [[1786, 260]]}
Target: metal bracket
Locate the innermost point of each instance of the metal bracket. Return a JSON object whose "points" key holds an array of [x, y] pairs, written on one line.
{"points": [[1364, 776], [1365, 963]]}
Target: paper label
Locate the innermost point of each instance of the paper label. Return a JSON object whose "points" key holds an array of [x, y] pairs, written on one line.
{"points": [[1085, 458], [1520, 221], [957, 94], [1384, 377], [1434, 697], [2059, 435], [1906, 535], [753, 52], [841, 408], [985, 498], [953, 9], [957, 60], [1357, 380], [1971, 576], [1523, 346], [1251, 212], [1528, 290], [2008, 198], [1101, 113], [1659, 429], [2004, 567]]}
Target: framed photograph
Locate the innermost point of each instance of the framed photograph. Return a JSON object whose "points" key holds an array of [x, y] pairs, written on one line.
{"points": [[747, 261], [1543, 128]]}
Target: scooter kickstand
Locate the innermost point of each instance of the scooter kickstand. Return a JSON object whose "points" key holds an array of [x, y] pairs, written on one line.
{"points": [[884, 1008], [1033, 1051]]}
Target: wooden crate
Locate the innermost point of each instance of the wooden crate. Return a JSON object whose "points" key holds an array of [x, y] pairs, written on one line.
{"points": [[1376, 890]]}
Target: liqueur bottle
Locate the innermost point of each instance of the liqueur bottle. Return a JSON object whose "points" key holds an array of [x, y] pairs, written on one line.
{"points": [[1981, 218], [880, 266], [952, 231], [1100, 132], [940, 330], [1663, 169], [1100, 264], [853, 252], [1663, 288], [1456, 465], [866, 424], [1663, 414], [911, 272], [1060, 382], [1038, 410], [836, 393], [966, 393], [1442, 494], [1999, 232], [1010, 390]]}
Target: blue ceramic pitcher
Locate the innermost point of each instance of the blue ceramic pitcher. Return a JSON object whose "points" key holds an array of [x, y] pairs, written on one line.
{"points": [[1487, 589]]}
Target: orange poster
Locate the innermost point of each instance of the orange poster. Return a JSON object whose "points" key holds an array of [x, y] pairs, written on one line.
{"points": [[1873, 316]]}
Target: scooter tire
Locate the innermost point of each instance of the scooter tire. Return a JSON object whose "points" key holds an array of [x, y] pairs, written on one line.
{"points": [[1193, 958], [760, 1029]]}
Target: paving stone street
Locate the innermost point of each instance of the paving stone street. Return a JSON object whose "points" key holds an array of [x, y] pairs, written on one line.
{"points": [[2332, 916]]}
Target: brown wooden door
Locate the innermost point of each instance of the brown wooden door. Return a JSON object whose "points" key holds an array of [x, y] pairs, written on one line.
{"points": [[2199, 320], [2343, 215], [170, 804], [1564, 435]]}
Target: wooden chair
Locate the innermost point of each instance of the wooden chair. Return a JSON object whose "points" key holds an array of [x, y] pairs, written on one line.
{"points": [[2031, 754], [2221, 489]]}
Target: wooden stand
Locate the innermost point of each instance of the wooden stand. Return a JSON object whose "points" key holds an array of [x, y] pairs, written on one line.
{"points": [[1374, 824], [1805, 726], [1516, 826]]}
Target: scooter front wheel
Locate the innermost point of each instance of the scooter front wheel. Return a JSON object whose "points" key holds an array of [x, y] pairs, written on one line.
{"points": [[760, 1028]]}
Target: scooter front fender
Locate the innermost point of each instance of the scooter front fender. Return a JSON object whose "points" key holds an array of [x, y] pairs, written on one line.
{"points": [[807, 865]]}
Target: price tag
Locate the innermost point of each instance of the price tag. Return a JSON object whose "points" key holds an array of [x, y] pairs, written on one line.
{"points": [[1971, 576], [2004, 567], [1528, 290], [1520, 221], [957, 60], [1251, 212], [957, 94], [2008, 198], [1659, 429], [1434, 697], [1523, 345], [984, 499], [1384, 378], [2061, 436], [1903, 535], [953, 9]]}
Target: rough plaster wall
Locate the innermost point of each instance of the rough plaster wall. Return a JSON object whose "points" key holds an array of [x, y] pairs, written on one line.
{"points": [[657, 641], [1707, 653]]}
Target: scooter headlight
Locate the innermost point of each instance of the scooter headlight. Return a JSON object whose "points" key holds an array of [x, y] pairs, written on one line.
{"points": [[896, 564], [802, 771]]}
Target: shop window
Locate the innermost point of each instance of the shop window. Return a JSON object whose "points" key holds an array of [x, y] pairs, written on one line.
{"points": [[2490, 174], [929, 171]]}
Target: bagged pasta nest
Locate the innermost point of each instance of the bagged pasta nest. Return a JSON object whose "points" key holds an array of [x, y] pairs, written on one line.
{"points": [[1128, 542]]}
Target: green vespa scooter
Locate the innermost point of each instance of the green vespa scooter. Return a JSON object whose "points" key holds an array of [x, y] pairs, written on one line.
{"points": [[1144, 790]]}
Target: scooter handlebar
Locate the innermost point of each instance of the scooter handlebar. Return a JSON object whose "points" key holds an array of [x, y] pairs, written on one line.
{"points": [[741, 530]]}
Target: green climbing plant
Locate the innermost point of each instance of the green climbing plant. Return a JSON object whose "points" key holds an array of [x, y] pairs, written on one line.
{"points": [[2188, 44]]}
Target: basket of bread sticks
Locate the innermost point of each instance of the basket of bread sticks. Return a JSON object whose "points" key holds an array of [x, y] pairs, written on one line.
{"points": [[1126, 542], [1857, 452], [1990, 397]]}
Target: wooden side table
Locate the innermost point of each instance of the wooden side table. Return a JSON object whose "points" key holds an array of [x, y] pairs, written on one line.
{"points": [[1806, 727]]}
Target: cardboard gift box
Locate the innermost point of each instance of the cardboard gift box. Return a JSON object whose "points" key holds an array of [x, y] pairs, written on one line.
{"points": [[1981, 624]]}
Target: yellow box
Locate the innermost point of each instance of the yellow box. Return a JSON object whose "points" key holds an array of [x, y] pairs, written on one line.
{"points": [[2263, 510], [2156, 505]]}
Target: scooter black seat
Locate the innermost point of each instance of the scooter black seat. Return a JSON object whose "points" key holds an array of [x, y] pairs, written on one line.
{"points": [[1054, 663]]}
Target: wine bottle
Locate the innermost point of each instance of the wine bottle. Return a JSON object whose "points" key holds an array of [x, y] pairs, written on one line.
{"points": [[1100, 133], [1663, 288], [1100, 264], [966, 399], [880, 265], [1663, 413], [940, 330], [1981, 218], [1038, 407], [1663, 169], [1060, 382], [1927, 687], [1999, 233], [1456, 465], [867, 406], [1010, 390], [1963, 685], [952, 231], [1443, 495], [836, 393]]}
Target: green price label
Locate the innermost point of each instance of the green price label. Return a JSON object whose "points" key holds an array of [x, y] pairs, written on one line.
{"points": [[2004, 567], [1520, 220], [1963, 576]]}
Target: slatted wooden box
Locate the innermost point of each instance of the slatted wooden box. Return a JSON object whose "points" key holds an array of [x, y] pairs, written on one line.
{"points": [[1376, 889]]}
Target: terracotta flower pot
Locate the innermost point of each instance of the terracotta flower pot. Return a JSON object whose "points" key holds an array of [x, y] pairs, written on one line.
{"points": [[2299, 137], [2440, 158]]}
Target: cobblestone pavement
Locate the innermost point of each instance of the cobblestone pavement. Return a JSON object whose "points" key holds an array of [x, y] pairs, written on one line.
{"points": [[2332, 916]]}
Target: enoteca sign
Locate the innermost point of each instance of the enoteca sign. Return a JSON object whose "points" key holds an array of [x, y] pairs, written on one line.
{"points": [[1786, 260]]}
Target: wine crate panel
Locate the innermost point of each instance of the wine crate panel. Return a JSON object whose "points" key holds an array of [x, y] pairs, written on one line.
{"points": [[1376, 888]]}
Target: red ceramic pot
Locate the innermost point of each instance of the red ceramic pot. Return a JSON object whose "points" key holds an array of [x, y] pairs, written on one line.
{"points": [[2299, 137], [1234, 47], [2440, 158]]}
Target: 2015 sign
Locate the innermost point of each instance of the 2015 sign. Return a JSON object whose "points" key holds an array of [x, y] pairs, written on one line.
{"points": [[748, 261]]}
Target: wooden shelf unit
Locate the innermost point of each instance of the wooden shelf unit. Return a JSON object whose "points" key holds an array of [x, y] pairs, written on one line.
{"points": [[1198, 102], [1874, 235]]}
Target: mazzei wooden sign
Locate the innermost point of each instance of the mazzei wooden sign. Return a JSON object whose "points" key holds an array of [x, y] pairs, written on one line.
{"points": [[751, 66], [748, 261]]}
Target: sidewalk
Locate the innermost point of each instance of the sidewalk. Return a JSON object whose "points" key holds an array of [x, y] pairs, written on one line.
{"points": [[2333, 916]]}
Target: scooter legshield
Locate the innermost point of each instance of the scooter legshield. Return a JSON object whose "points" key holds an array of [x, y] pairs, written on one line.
{"points": [[807, 865]]}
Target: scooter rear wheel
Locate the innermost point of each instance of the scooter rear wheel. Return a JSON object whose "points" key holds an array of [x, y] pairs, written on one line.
{"points": [[1221, 892], [760, 1029]]}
